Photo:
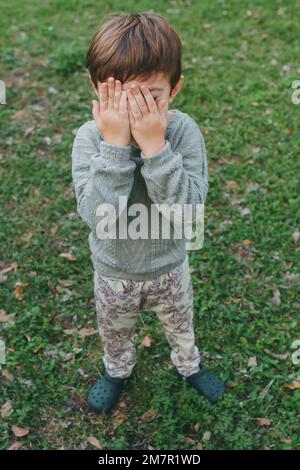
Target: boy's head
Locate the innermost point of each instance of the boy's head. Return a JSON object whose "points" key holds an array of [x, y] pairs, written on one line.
{"points": [[137, 48]]}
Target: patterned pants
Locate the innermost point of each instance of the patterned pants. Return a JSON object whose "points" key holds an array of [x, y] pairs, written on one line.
{"points": [[118, 303]]}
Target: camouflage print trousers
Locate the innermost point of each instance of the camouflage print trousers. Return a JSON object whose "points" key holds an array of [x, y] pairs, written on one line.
{"points": [[118, 304]]}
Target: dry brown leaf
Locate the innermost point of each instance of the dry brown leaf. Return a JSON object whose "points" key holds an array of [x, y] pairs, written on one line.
{"points": [[286, 440], [6, 410], [19, 114], [206, 436], [150, 415], [280, 357], [248, 242], [122, 405], [294, 386], [70, 331], [197, 444], [6, 318], [95, 443], [252, 362], [232, 184], [66, 282], [7, 375], [69, 256], [20, 287], [20, 432], [7, 269], [54, 229], [296, 236], [147, 342], [87, 331], [16, 445], [276, 299], [120, 417], [263, 422]]}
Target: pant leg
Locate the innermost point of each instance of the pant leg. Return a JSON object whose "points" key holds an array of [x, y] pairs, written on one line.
{"points": [[117, 308], [170, 296]]}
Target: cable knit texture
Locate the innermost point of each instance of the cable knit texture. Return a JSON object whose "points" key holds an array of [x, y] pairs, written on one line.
{"points": [[101, 172]]}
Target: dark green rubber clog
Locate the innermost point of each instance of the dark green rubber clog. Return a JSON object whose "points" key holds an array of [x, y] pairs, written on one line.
{"points": [[105, 392], [207, 383]]}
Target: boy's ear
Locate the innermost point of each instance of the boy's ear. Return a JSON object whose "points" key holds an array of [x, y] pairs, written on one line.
{"points": [[177, 88]]}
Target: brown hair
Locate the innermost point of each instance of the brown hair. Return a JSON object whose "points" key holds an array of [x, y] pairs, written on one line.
{"points": [[135, 45]]}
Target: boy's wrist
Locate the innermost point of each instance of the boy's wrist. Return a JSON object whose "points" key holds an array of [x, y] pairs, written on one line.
{"points": [[117, 142], [153, 148]]}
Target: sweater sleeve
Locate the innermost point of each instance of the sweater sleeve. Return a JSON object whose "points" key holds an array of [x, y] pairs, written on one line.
{"points": [[101, 173], [179, 176]]}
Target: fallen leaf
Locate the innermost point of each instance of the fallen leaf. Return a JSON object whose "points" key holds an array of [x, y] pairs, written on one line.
{"points": [[276, 299], [28, 131], [232, 184], [20, 287], [286, 440], [6, 318], [150, 415], [206, 436], [16, 445], [252, 362], [147, 342], [263, 422], [7, 375], [280, 357], [245, 211], [20, 432], [70, 331], [69, 256], [248, 242], [296, 236], [6, 409], [122, 404], [95, 443], [294, 386], [2, 278], [197, 444], [87, 332]]}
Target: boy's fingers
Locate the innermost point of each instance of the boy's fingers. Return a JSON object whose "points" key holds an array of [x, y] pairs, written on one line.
{"points": [[111, 92], [130, 114], [139, 99], [149, 99], [117, 97], [133, 105], [123, 102], [103, 96]]}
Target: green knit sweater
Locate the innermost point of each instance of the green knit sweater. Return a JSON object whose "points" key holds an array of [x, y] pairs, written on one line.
{"points": [[177, 174]]}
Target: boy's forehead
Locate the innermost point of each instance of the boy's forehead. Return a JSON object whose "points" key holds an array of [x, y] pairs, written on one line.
{"points": [[155, 82]]}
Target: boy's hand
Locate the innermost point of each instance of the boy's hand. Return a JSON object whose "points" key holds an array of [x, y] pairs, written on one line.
{"points": [[148, 121], [111, 114]]}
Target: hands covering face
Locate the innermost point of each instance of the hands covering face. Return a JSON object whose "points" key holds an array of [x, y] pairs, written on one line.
{"points": [[147, 118]]}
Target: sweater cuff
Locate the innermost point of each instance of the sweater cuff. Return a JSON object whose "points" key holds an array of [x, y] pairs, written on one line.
{"points": [[115, 152], [156, 159]]}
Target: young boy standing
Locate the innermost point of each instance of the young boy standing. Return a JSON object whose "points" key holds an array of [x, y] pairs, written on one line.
{"points": [[136, 149]]}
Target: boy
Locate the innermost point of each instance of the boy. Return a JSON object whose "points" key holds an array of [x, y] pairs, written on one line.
{"points": [[135, 149]]}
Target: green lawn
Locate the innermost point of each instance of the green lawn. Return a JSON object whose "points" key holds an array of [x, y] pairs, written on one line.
{"points": [[239, 62]]}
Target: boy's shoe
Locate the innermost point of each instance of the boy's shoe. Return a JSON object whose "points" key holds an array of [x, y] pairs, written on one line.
{"points": [[105, 392], [207, 383]]}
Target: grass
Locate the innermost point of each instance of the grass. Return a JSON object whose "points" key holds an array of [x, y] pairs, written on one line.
{"points": [[239, 62]]}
